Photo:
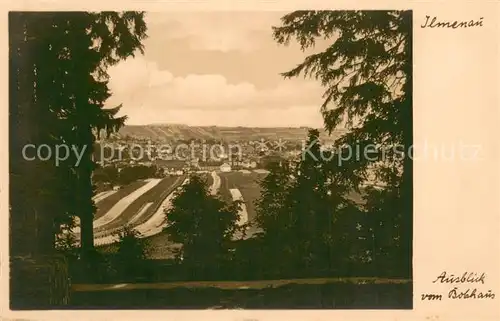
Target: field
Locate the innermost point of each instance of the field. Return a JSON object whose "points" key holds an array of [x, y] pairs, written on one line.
{"points": [[248, 185], [104, 205], [135, 205], [142, 209], [155, 195], [228, 185]]}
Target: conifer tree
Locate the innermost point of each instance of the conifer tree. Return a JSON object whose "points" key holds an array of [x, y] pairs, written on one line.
{"points": [[131, 254], [274, 219], [367, 75], [203, 224], [308, 222], [58, 86], [77, 48]]}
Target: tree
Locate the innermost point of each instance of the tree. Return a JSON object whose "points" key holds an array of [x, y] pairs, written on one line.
{"points": [[270, 160], [203, 224], [306, 216], [39, 190], [118, 36], [58, 86], [131, 174], [66, 241], [274, 195], [311, 207], [367, 75], [273, 218], [132, 252], [106, 174], [70, 85], [322, 212]]}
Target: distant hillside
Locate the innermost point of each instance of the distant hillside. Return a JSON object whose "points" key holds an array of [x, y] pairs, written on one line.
{"points": [[184, 132]]}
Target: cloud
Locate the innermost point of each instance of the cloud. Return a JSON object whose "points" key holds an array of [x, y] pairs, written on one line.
{"points": [[149, 93], [133, 75], [216, 31]]}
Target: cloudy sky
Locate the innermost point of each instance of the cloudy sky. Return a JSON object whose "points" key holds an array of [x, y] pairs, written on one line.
{"points": [[215, 68]]}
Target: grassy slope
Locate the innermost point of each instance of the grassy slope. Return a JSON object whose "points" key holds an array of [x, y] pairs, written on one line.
{"points": [[106, 204], [155, 195], [248, 184]]}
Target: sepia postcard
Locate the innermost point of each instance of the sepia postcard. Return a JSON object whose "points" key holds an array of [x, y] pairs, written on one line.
{"points": [[251, 160]]}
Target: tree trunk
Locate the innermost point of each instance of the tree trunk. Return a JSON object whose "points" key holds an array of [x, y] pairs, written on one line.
{"points": [[86, 207]]}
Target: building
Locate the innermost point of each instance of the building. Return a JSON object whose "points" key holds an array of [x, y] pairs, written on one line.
{"points": [[225, 167], [209, 165]]}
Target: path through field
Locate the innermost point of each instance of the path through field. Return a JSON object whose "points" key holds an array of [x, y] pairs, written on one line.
{"points": [[243, 214], [214, 189]]}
